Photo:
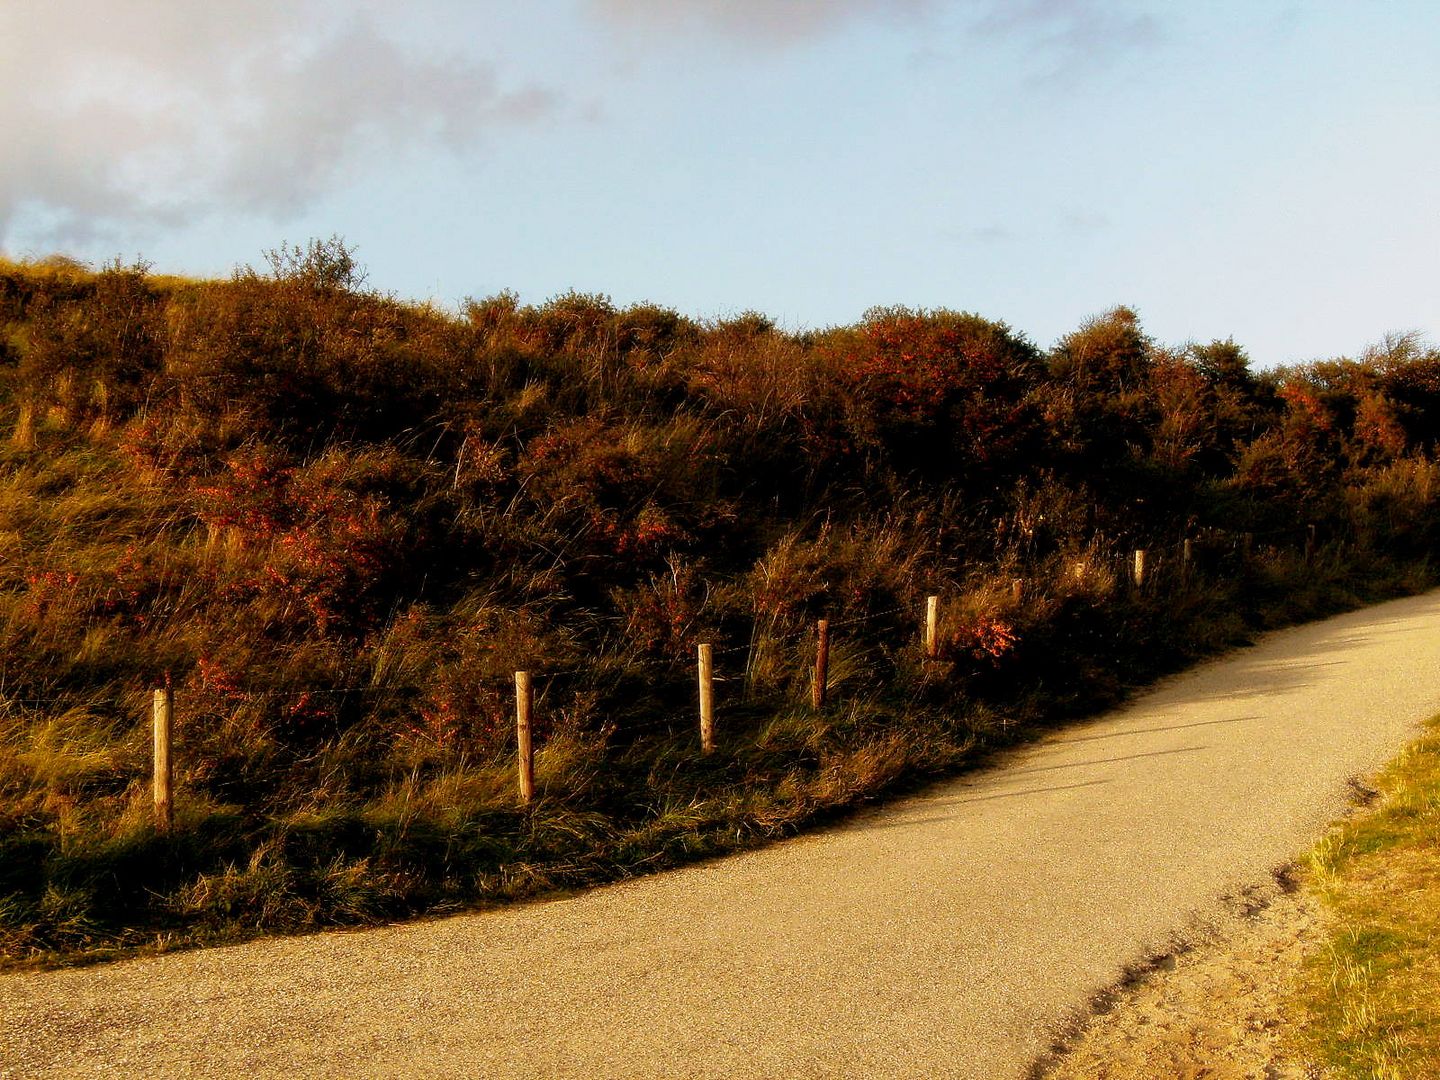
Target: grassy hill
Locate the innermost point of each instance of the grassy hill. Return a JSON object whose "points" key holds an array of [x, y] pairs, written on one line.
{"points": [[337, 524]]}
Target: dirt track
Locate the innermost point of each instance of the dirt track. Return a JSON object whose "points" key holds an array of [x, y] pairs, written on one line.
{"points": [[955, 934]]}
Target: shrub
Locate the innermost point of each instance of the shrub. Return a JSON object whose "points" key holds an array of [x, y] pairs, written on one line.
{"points": [[338, 524]]}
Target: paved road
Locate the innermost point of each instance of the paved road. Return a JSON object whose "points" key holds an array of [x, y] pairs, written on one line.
{"points": [[951, 935]]}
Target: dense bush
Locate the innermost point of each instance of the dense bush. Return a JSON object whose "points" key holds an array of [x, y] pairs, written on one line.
{"points": [[337, 523]]}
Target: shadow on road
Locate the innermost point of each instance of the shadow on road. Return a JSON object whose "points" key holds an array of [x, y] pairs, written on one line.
{"points": [[1262, 678], [1106, 761], [1016, 794], [1149, 730]]}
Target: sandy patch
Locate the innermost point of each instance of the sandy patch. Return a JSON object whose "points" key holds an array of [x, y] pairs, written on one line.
{"points": [[1214, 1010]]}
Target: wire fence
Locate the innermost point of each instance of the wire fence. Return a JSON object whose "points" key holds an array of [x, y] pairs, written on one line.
{"points": [[807, 644]]}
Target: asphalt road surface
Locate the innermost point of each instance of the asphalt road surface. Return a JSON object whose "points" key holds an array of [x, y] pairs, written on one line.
{"points": [[950, 935]]}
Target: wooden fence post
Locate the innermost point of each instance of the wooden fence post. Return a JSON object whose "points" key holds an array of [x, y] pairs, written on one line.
{"points": [[525, 746], [163, 714], [1187, 557], [1247, 545], [1017, 590], [705, 655], [822, 663], [932, 626], [1138, 571], [1309, 543]]}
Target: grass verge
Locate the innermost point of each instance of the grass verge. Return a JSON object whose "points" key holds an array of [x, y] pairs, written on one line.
{"points": [[1371, 997]]}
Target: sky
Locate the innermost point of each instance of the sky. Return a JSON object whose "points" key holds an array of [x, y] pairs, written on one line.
{"points": [[1263, 171]]}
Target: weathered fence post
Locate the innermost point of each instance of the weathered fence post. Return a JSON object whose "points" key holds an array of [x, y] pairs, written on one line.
{"points": [[163, 713], [1138, 571], [1247, 545], [1187, 558], [525, 745], [1017, 590], [705, 656], [822, 663], [932, 626], [1309, 543]]}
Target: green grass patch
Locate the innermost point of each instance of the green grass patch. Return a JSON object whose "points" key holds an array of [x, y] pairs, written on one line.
{"points": [[1371, 998]]}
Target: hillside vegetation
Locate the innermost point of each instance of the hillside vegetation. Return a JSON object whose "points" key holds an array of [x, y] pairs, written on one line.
{"points": [[337, 524]]}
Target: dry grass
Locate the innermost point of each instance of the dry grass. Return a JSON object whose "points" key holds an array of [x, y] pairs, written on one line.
{"points": [[1373, 997], [339, 523]]}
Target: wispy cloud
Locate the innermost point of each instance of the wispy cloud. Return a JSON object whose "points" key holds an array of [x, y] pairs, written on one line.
{"points": [[121, 115], [985, 235], [1070, 37], [1078, 221], [1064, 39], [767, 23]]}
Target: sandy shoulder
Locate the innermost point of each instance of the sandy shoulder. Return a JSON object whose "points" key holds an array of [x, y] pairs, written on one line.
{"points": [[1213, 1010]]}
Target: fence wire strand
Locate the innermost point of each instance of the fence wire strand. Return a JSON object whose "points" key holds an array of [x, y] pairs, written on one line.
{"points": [[677, 668]]}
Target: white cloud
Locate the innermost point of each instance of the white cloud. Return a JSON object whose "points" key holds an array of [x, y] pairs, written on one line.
{"points": [[119, 115]]}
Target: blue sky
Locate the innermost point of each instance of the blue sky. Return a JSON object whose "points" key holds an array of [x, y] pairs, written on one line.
{"points": [[1266, 171]]}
